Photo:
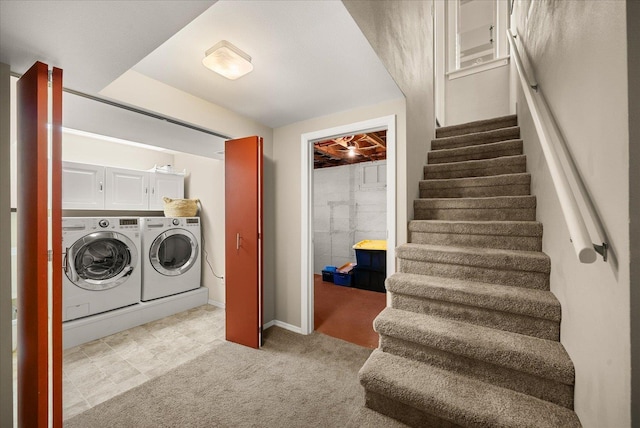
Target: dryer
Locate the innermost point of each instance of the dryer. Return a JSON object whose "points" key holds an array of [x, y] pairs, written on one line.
{"points": [[100, 264], [171, 248]]}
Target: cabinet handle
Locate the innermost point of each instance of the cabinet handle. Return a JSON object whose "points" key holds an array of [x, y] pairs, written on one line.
{"points": [[153, 190], [237, 242], [101, 186], [146, 190]]}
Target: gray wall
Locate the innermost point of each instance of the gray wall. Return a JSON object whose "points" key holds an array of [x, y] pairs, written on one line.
{"points": [[6, 372], [401, 33], [578, 51], [348, 206], [633, 55]]}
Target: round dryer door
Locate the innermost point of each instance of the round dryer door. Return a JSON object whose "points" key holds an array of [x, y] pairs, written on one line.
{"points": [[174, 252], [101, 260]]}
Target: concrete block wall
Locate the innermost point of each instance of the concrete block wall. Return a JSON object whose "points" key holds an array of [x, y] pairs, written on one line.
{"points": [[349, 205]]}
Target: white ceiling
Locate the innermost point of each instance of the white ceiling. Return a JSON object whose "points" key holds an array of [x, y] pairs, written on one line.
{"points": [[310, 59], [94, 42]]}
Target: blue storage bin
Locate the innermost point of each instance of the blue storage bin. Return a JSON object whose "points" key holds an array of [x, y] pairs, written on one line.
{"points": [[327, 275], [343, 279]]}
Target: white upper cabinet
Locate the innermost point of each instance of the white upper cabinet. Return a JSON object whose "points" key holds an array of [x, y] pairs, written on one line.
{"points": [[95, 187], [169, 185], [82, 186], [127, 189]]}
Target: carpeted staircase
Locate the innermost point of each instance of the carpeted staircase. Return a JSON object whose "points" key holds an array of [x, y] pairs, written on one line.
{"points": [[472, 335]]}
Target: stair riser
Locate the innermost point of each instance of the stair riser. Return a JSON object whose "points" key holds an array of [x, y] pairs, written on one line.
{"points": [[536, 280], [485, 125], [477, 191], [494, 136], [544, 389], [438, 157], [536, 327], [475, 214], [441, 173], [504, 242], [403, 412]]}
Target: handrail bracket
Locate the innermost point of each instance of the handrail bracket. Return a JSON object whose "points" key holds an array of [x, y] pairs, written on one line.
{"points": [[602, 250]]}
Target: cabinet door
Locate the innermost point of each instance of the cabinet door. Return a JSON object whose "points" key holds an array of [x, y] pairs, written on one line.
{"points": [[126, 189], [169, 185], [82, 186]]}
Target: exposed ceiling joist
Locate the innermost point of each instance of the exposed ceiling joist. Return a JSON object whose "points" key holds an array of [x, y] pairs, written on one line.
{"points": [[350, 149]]}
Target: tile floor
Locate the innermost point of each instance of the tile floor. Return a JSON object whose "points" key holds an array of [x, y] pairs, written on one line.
{"points": [[101, 369], [98, 370]]}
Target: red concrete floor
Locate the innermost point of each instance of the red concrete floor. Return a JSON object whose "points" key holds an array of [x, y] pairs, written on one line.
{"points": [[347, 313]]}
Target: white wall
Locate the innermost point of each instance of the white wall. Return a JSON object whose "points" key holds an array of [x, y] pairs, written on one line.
{"points": [[633, 58], [6, 363], [149, 94], [578, 50], [287, 154], [480, 92], [346, 210], [77, 148], [482, 95], [205, 181]]}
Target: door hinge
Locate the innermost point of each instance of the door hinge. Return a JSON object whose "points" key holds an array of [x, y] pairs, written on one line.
{"points": [[50, 255]]}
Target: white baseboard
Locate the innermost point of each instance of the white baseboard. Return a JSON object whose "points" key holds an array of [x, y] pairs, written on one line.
{"points": [[284, 325], [216, 304]]}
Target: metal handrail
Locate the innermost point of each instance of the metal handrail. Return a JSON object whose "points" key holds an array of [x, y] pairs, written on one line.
{"points": [[556, 155]]}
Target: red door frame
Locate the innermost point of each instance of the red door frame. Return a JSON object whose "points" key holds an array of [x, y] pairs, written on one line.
{"points": [[56, 244], [33, 251], [243, 242]]}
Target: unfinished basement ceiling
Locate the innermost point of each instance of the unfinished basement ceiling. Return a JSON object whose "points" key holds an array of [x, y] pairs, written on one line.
{"points": [[350, 149]]}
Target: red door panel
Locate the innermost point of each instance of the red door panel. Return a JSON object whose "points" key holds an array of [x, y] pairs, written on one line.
{"points": [[33, 236], [33, 282], [243, 246]]}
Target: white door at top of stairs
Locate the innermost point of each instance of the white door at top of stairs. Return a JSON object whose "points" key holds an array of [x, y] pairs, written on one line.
{"points": [[171, 248], [101, 270]]}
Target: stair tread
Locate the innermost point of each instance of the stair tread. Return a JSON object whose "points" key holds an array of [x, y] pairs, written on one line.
{"points": [[460, 399], [476, 164], [480, 148], [540, 357], [492, 180], [476, 138], [517, 300], [531, 261], [477, 125], [526, 201], [469, 227]]}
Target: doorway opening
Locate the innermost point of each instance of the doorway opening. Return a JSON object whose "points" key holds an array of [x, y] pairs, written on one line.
{"points": [[345, 134]]}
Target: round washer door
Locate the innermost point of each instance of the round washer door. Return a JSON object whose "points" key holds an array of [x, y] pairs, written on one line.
{"points": [[174, 252], [101, 260]]}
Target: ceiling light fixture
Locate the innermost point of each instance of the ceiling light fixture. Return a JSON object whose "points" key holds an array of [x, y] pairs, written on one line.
{"points": [[227, 60], [352, 148]]}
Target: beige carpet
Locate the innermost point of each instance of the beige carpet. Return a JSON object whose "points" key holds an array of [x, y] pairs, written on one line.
{"points": [[293, 381], [471, 337]]}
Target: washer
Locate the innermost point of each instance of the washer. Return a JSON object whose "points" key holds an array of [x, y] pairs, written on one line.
{"points": [[172, 264], [100, 264]]}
